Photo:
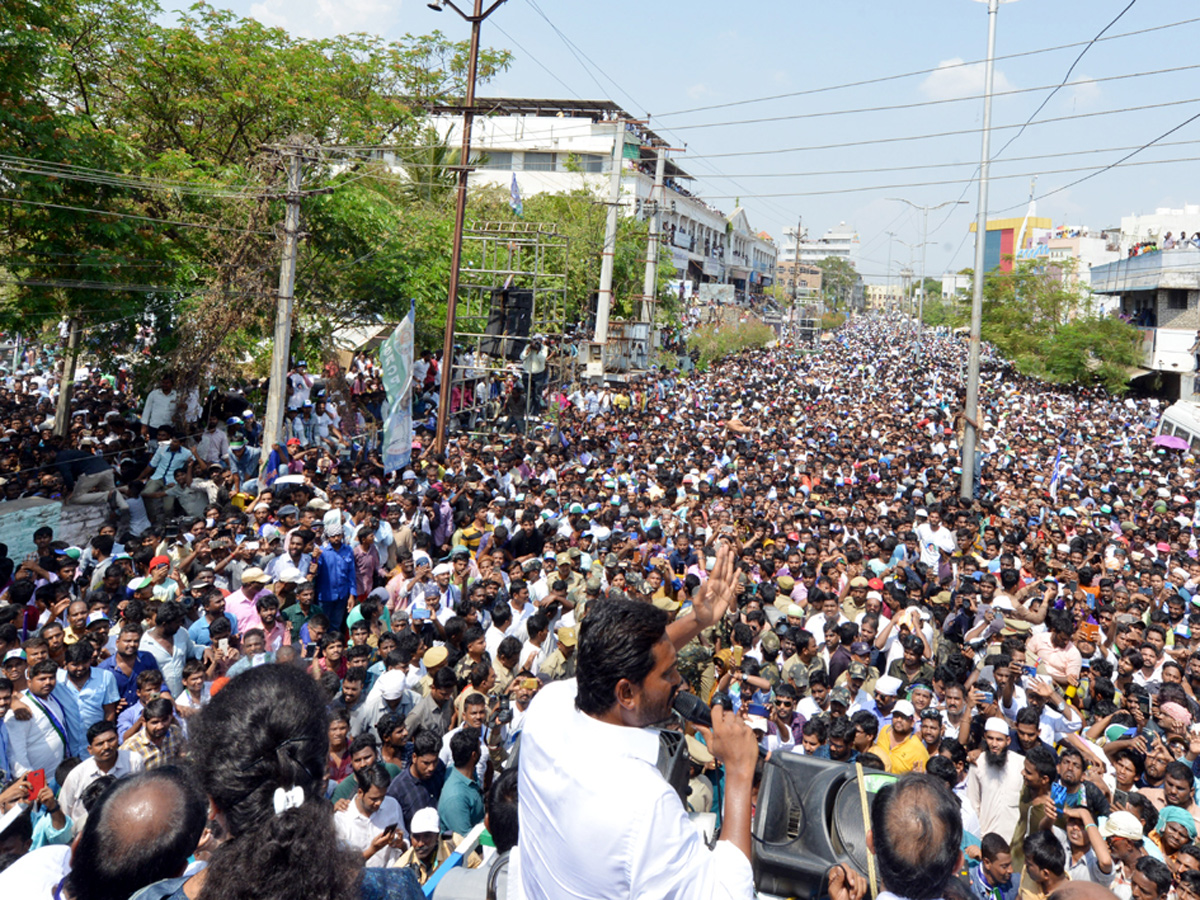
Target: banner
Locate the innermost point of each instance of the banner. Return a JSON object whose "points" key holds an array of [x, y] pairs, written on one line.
{"points": [[396, 357]]}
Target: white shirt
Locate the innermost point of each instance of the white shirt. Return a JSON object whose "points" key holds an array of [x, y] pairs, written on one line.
{"points": [[171, 664], [36, 744], [931, 541], [357, 831], [73, 786], [448, 758], [599, 821], [996, 793], [34, 875]]}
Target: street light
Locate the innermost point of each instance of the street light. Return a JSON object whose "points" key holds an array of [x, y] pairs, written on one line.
{"points": [[460, 210], [971, 406], [924, 241], [911, 249]]}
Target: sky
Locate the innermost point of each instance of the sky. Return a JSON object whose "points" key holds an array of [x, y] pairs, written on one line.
{"points": [[829, 153]]}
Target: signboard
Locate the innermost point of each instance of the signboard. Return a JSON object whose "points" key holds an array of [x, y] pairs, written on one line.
{"points": [[717, 293], [396, 357]]}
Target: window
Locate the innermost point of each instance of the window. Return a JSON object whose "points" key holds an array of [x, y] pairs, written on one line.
{"points": [[539, 162], [588, 162], [498, 159], [1177, 299]]}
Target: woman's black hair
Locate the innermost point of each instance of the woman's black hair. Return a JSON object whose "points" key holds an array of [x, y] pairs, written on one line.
{"points": [[267, 732]]}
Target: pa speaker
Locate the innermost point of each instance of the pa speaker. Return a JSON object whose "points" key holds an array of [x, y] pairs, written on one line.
{"points": [[809, 817], [508, 323]]}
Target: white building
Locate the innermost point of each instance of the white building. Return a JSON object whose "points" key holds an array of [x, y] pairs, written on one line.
{"points": [[841, 241], [1137, 229], [562, 145], [954, 284]]}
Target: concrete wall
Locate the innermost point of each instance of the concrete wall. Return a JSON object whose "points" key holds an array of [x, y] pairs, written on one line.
{"points": [[19, 519], [1177, 318]]}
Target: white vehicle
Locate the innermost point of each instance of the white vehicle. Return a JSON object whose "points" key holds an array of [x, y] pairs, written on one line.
{"points": [[1182, 419]]}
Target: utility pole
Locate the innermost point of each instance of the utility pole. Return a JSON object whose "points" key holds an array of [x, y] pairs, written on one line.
{"points": [[66, 386], [891, 236], [604, 301], [650, 282], [282, 349], [460, 211], [924, 243], [971, 407]]}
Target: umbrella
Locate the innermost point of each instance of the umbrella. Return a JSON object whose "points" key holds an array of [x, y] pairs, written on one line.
{"points": [[1171, 442]]}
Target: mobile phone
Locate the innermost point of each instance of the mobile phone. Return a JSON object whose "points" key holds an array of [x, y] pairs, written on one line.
{"points": [[1028, 671], [530, 684], [987, 698], [421, 614], [37, 781], [223, 645], [735, 657]]}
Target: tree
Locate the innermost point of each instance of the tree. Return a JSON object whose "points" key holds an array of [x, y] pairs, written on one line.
{"points": [[838, 277], [1040, 320]]}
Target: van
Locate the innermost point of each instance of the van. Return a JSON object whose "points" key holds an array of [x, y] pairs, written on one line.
{"points": [[1182, 419]]}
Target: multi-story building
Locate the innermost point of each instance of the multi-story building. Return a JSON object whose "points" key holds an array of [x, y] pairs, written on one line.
{"points": [[799, 281], [554, 146], [1154, 227], [1159, 292], [1000, 246], [955, 284], [841, 242]]}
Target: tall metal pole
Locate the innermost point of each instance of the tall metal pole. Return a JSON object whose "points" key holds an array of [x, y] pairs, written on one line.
{"points": [[970, 435], [281, 352], [66, 385], [604, 301], [891, 237], [921, 301], [460, 217], [650, 282]]}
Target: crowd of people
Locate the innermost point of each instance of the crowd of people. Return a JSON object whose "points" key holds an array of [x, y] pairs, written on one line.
{"points": [[338, 663]]}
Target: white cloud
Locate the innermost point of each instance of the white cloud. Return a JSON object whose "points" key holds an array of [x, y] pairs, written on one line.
{"points": [[954, 80], [696, 91], [323, 18]]}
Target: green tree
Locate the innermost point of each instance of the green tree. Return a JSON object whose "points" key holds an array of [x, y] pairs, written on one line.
{"points": [[838, 277]]}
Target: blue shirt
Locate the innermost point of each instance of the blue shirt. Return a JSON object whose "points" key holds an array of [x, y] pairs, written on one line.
{"points": [[76, 730], [100, 689], [6, 772], [335, 573], [198, 631], [127, 684], [460, 805], [166, 462]]}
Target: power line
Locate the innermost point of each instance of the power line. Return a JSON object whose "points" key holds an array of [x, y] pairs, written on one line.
{"points": [[886, 78], [922, 103], [940, 134], [915, 184], [105, 212]]}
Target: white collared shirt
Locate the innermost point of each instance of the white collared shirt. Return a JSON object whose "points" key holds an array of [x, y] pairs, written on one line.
{"points": [[357, 831], [599, 821], [73, 786]]}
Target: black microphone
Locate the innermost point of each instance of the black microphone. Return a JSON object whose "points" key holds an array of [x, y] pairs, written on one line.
{"points": [[693, 709]]}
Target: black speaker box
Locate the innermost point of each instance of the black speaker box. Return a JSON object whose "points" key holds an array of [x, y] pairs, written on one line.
{"points": [[508, 323], [809, 818]]}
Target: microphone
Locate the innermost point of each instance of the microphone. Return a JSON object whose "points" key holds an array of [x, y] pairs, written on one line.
{"points": [[693, 709]]}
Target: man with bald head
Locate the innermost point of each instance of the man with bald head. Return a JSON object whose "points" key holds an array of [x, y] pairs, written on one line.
{"points": [[140, 831]]}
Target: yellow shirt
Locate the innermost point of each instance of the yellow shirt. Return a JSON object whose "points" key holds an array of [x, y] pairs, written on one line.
{"points": [[909, 756]]}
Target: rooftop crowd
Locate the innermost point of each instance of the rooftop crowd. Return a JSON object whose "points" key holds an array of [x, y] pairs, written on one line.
{"points": [[314, 672]]}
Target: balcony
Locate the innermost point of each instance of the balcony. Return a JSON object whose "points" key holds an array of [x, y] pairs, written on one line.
{"points": [[1175, 269]]}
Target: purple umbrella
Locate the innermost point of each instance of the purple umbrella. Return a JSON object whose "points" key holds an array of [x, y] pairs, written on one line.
{"points": [[1171, 442]]}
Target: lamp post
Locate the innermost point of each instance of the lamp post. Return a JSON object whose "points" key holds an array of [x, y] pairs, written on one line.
{"points": [[971, 406], [924, 241], [460, 209]]}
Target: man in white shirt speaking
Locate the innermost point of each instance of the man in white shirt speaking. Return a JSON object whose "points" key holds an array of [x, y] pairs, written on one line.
{"points": [[598, 820]]}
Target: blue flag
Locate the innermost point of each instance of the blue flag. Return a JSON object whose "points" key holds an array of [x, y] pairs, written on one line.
{"points": [[515, 197]]}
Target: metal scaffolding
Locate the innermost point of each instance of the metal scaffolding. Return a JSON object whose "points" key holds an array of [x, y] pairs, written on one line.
{"points": [[498, 257]]}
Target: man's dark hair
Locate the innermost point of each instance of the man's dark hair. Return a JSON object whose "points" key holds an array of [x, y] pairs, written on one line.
{"points": [[616, 641], [939, 767], [158, 708], [1046, 851], [426, 743], [79, 652], [150, 678], [1154, 869], [464, 745], [502, 811], [1043, 759], [866, 722], [444, 679], [119, 851], [98, 728], [374, 775], [45, 667], [362, 742], [993, 845], [917, 824], [509, 647], [170, 611]]}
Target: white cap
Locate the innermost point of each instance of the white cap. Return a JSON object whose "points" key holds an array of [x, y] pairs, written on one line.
{"points": [[902, 707], [888, 685], [391, 684], [996, 724], [425, 821], [443, 569]]}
